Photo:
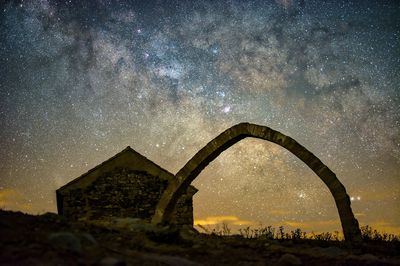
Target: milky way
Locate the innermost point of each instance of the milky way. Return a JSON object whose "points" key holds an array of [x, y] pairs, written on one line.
{"points": [[81, 81]]}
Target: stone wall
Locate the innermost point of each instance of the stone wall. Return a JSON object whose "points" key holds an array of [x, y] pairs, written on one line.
{"points": [[183, 213], [123, 193]]}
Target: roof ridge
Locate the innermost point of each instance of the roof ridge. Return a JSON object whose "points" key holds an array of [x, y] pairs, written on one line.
{"points": [[134, 151], [128, 148]]}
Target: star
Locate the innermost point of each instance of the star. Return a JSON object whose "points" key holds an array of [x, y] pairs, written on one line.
{"points": [[77, 87]]}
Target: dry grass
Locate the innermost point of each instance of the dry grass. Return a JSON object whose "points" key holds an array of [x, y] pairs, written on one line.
{"points": [[368, 234]]}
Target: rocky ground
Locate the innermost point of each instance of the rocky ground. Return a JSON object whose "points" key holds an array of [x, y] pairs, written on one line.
{"points": [[51, 240]]}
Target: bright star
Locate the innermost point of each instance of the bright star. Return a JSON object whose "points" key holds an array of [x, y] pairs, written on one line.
{"points": [[226, 109]]}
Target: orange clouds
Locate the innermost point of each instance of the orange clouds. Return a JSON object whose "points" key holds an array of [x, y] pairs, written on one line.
{"points": [[11, 199], [18, 200], [214, 220], [386, 227]]}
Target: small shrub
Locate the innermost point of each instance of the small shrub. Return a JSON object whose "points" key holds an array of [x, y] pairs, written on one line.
{"points": [[226, 231], [281, 233], [267, 232], [296, 234], [322, 236], [246, 232]]}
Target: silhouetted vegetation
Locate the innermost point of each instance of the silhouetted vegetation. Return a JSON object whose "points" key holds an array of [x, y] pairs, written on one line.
{"points": [[269, 232], [50, 239], [370, 234]]}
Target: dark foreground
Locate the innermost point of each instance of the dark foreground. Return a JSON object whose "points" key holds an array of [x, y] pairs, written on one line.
{"points": [[51, 240]]}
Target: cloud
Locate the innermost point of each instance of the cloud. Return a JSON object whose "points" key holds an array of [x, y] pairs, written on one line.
{"points": [[5, 194], [278, 212], [383, 226], [213, 220], [11, 199]]}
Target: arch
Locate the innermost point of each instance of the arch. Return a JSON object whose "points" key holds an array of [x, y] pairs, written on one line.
{"points": [[214, 148]]}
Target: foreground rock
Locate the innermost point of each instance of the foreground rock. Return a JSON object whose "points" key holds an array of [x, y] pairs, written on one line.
{"points": [[51, 240]]}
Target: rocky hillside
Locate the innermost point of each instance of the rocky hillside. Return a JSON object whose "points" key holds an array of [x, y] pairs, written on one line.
{"points": [[51, 240]]}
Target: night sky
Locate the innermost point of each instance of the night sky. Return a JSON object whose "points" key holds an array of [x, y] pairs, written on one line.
{"points": [[81, 81]]}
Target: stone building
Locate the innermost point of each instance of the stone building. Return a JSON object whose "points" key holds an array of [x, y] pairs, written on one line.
{"points": [[126, 185]]}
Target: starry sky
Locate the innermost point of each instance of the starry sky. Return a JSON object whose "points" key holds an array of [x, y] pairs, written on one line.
{"points": [[81, 80]]}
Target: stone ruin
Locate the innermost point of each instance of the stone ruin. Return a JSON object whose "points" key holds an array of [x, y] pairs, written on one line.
{"points": [[130, 185], [229, 137], [126, 185]]}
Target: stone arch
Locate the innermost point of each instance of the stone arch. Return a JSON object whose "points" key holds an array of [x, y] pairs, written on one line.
{"points": [[214, 148]]}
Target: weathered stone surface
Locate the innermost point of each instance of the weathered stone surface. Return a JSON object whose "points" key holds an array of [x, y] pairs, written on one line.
{"points": [[169, 260], [226, 139], [123, 193], [88, 240], [66, 241], [110, 261], [289, 259], [126, 185]]}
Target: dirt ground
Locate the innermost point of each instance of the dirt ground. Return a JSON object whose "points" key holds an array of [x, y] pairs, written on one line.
{"points": [[50, 239]]}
